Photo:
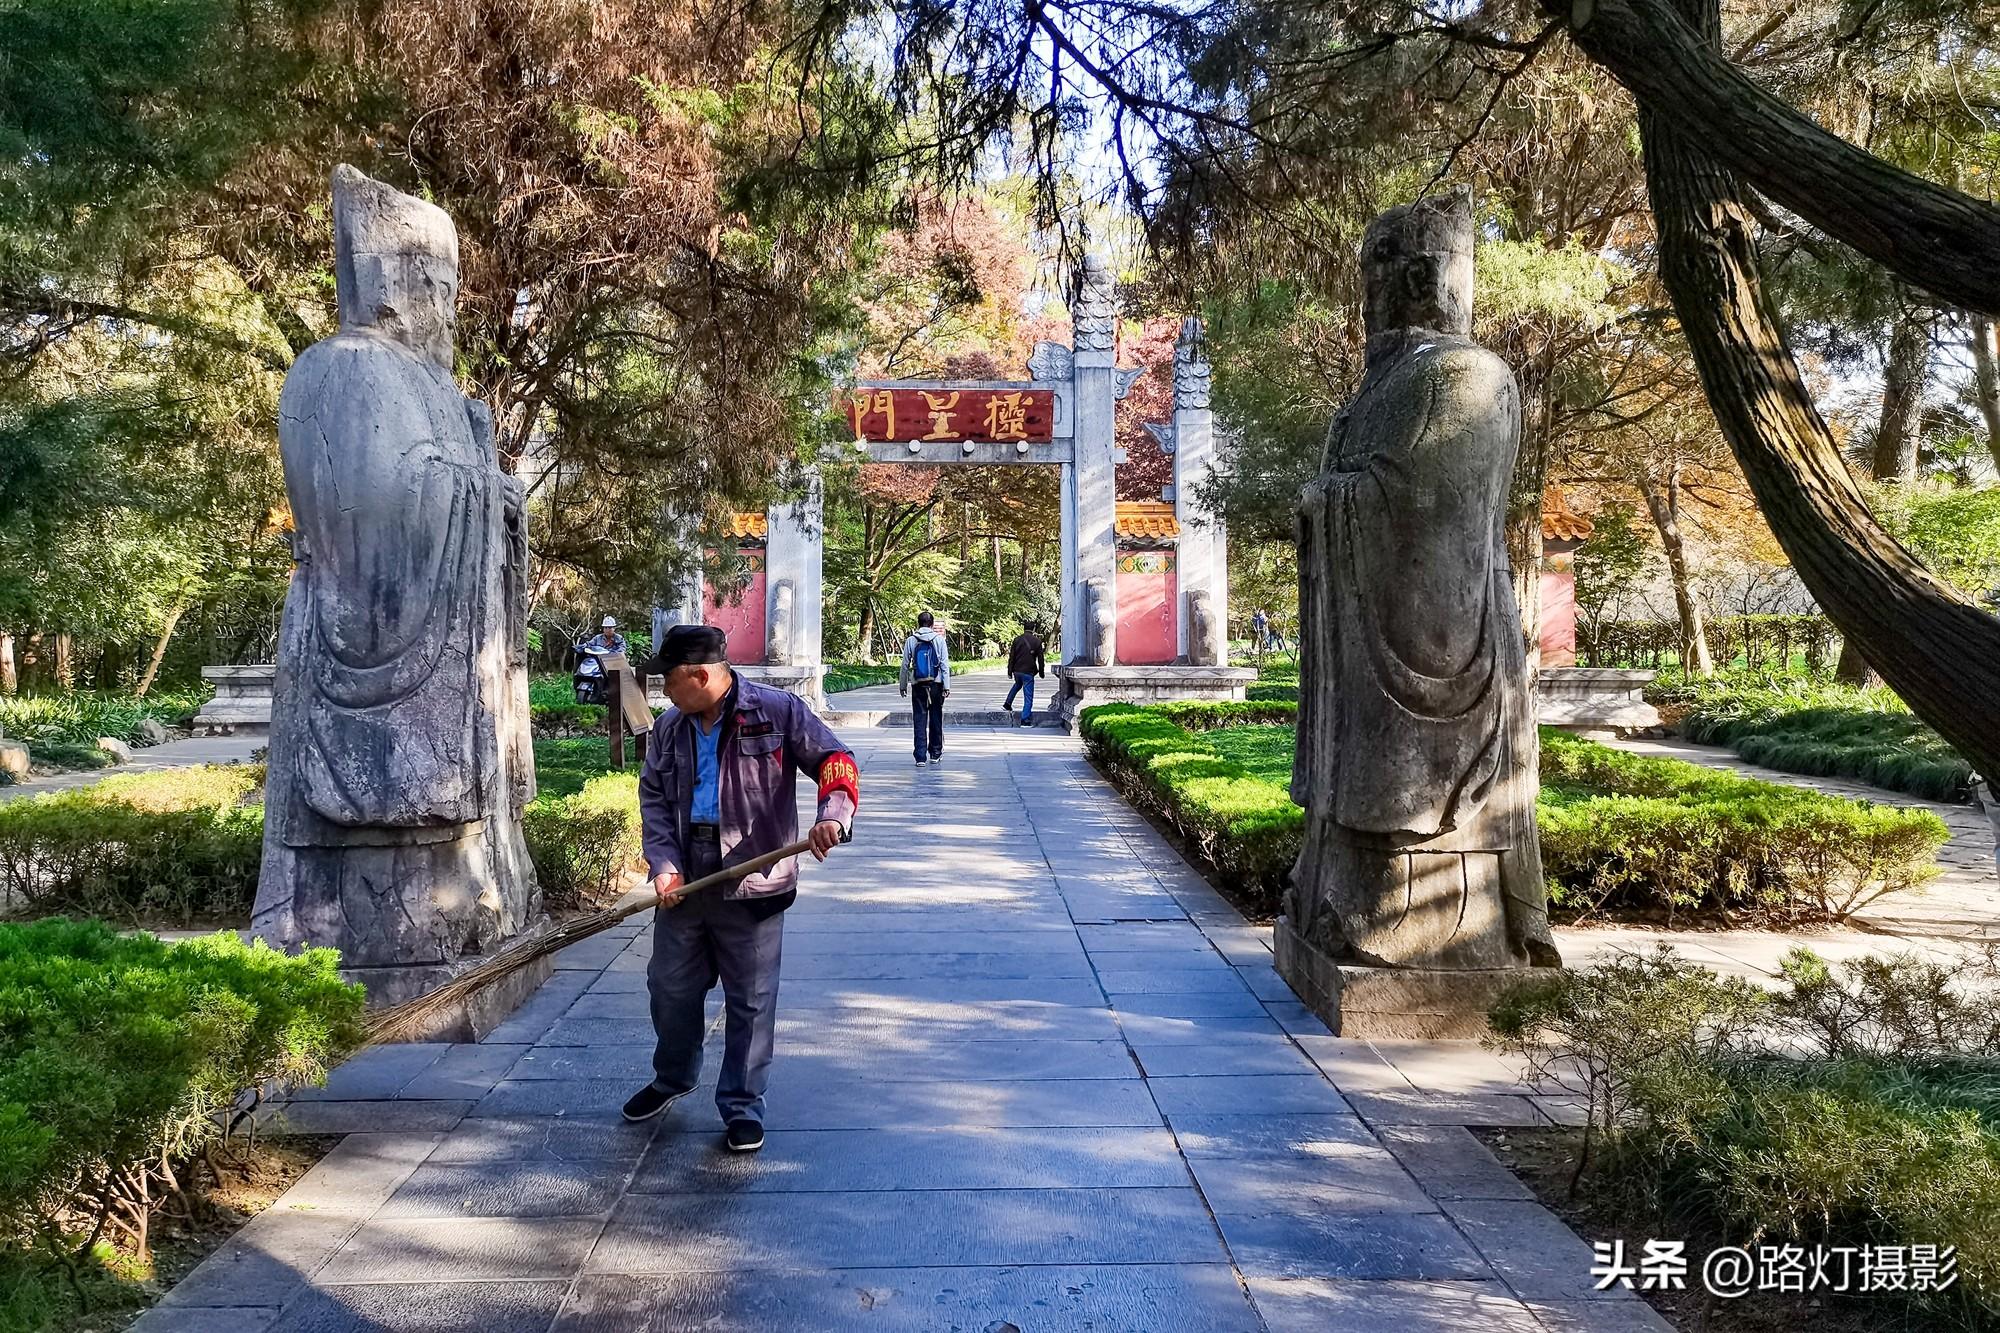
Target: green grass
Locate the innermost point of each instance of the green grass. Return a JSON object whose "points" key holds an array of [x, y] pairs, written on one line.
{"points": [[1265, 752]]}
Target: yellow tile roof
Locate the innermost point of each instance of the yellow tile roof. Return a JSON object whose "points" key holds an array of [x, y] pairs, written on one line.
{"points": [[749, 525], [1560, 523], [1145, 518]]}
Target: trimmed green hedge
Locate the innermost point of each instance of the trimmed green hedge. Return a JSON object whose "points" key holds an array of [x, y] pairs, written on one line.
{"points": [[122, 1056], [1247, 829], [183, 847], [585, 844], [1618, 831], [180, 847]]}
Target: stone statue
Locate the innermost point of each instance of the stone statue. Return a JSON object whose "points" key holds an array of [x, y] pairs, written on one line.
{"points": [[1100, 626], [1204, 630], [784, 627], [1417, 749], [399, 757]]}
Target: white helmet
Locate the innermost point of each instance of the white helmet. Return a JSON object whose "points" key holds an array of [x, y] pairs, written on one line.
{"points": [[610, 622]]}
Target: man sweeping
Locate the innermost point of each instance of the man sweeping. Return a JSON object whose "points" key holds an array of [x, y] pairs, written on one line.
{"points": [[718, 788]]}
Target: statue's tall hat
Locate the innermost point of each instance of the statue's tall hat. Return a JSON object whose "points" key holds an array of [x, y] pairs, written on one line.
{"points": [[371, 219]]}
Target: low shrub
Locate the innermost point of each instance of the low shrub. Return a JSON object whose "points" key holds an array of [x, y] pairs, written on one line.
{"points": [[122, 1057], [1835, 1109], [1625, 831], [586, 845], [1214, 716], [179, 846], [1822, 730], [1618, 831]]}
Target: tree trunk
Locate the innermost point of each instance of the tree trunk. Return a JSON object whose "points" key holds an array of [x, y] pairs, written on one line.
{"points": [[999, 577], [1664, 504], [159, 650], [1851, 668], [1669, 57], [1524, 524], [65, 663], [1938, 650], [866, 630], [1902, 397], [10, 676], [1986, 383]]}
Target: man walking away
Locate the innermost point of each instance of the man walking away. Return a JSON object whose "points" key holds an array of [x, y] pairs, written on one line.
{"points": [[716, 790], [1026, 659], [926, 678]]}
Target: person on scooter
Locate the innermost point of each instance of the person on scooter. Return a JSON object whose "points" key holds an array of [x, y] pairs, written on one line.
{"points": [[608, 640]]}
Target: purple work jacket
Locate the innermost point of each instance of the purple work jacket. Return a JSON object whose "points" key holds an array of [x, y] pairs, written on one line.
{"points": [[768, 738]]}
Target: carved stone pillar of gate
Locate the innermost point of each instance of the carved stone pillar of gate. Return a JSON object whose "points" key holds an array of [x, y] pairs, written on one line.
{"points": [[1090, 491], [1204, 547]]}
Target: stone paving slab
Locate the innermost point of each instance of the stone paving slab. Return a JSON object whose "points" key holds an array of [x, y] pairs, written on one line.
{"points": [[671, 1233], [1107, 1298], [989, 1107], [795, 1161]]}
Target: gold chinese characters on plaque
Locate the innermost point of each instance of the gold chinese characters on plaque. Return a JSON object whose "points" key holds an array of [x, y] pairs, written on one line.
{"points": [[952, 416]]}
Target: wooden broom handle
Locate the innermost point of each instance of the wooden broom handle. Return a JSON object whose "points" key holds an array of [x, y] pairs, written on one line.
{"points": [[639, 899]]}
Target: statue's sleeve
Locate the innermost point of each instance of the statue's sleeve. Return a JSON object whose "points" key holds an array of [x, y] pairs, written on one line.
{"points": [[379, 506]]}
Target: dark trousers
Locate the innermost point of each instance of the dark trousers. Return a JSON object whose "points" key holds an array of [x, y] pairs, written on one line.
{"points": [[709, 937], [927, 702]]}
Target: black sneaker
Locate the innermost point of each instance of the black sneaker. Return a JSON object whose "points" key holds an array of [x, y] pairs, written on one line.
{"points": [[745, 1136], [920, 761], [649, 1101]]}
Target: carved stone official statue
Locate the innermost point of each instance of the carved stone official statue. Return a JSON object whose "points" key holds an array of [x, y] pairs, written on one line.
{"points": [[1419, 884], [399, 757]]}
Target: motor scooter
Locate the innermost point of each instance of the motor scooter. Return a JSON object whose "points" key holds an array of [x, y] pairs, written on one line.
{"points": [[588, 679]]}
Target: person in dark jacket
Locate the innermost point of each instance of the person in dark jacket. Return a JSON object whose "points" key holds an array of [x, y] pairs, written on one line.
{"points": [[718, 788], [1026, 659]]}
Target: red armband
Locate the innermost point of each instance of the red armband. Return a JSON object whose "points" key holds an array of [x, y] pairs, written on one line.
{"points": [[838, 773]]}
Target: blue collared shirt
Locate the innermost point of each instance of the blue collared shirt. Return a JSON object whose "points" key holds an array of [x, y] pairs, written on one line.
{"points": [[707, 803]]}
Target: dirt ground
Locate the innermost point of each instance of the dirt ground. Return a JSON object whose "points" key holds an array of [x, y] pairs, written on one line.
{"points": [[252, 1179]]}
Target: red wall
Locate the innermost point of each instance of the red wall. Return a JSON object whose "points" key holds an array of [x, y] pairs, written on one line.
{"points": [[1146, 582], [742, 623], [1558, 616]]}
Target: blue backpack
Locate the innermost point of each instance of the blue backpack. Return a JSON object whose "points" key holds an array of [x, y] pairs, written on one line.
{"points": [[925, 663]]}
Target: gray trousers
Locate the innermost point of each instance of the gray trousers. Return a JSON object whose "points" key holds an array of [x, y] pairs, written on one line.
{"points": [[708, 937]]}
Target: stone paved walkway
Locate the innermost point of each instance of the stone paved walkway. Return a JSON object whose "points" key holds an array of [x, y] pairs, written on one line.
{"points": [[1032, 1074]]}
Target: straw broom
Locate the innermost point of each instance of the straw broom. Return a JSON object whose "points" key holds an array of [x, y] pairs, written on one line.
{"points": [[409, 1019]]}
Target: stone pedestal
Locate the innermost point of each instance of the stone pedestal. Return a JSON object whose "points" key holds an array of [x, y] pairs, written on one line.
{"points": [[473, 1018], [242, 702], [1595, 699], [1394, 1003], [1082, 686]]}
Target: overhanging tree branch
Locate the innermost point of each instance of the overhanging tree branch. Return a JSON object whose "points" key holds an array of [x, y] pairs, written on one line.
{"points": [[1933, 237]]}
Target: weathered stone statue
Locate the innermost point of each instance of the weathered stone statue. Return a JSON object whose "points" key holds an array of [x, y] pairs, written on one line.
{"points": [[399, 759], [1417, 751]]}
